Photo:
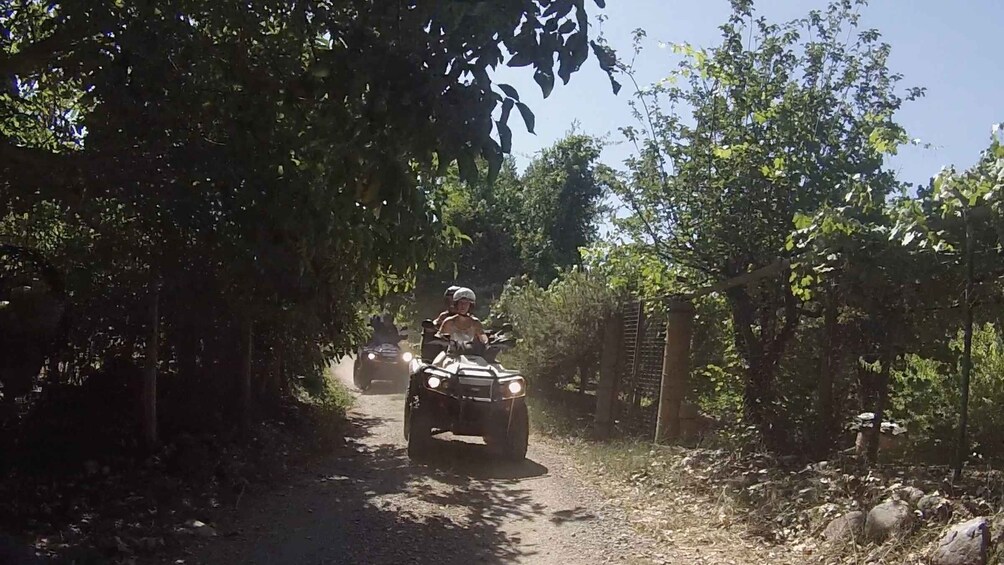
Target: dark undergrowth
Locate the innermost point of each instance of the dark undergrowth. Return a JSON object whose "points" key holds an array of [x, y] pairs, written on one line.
{"points": [[76, 489]]}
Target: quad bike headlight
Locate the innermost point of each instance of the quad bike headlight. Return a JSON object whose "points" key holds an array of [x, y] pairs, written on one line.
{"points": [[512, 387], [407, 356], [371, 356], [434, 381]]}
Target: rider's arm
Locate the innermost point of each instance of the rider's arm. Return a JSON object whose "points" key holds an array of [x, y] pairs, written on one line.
{"points": [[479, 330], [446, 327], [441, 318]]}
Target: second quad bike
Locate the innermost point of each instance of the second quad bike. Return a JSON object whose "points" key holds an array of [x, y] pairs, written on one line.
{"points": [[381, 362], [465, 391]]}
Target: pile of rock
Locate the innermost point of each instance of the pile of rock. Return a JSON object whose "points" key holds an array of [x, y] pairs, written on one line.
{"points": [[966, 543]]}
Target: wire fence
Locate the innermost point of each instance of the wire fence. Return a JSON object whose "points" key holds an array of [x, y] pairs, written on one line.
{"points": [[643, 345]]}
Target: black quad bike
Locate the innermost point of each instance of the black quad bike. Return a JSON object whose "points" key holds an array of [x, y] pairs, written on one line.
{"points": [[463, 390], [381, 361]]}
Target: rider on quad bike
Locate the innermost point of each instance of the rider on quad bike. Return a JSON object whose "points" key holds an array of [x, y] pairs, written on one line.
{"points": [[451, 306], [384, 330], [462, 326], [382, 358], [429, 347], [464, 390]]}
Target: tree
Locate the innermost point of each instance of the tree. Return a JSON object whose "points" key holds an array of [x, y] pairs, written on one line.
{"points": [[239, 158], [532, 224], [972, 203], [779, 126], [558, 203]]}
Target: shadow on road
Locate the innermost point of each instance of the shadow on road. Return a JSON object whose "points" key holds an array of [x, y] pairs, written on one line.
{"points": [[476, 461], [369, 503], [387, 387]]}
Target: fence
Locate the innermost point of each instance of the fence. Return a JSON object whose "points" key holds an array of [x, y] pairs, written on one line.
{"points": [[640, 374]]}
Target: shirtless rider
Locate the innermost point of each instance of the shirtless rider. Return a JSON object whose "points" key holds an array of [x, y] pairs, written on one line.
{"points": [[462, 326], [450, 306]]}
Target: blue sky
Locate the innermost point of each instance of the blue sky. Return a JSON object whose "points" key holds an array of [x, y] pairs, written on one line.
{"points": [[951, 48]]}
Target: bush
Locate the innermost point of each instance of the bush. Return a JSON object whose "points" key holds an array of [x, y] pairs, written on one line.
{"points": [[560, 327], [926, 398]]}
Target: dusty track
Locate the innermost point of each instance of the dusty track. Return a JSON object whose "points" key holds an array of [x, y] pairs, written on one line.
{"points": [[369, 503]]}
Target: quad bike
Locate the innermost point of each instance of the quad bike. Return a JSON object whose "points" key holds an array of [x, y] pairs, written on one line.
{"points": [[380, 362], [463, 390]]}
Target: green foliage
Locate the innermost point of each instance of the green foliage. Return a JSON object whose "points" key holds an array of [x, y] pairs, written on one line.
{"points": [[560, 327], [532, 224], [783, 121], [270, 165], [558, 203], [926, 398]]}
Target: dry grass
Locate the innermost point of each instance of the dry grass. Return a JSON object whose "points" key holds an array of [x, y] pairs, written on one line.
{"points": [[722, 507]]}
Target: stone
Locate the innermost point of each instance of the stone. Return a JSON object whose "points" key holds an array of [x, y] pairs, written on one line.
{"points": [[913, 495], [200, 528], [848, 527], [935, 507], [964, 544], [887, 519]]}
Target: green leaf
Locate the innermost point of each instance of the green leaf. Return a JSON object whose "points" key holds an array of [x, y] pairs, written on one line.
{"points": [[521, 59], [528, 117], [546, 81], [505, 136], [506, 109], [802, 221], [723, 152], [509, 91], [558, 8]]}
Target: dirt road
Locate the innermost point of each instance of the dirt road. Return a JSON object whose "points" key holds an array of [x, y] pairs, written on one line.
{"points": [[371, 504]]}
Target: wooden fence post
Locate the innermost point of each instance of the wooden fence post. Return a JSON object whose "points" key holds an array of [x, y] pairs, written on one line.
{"points": [[606, 389], [675, 369]]}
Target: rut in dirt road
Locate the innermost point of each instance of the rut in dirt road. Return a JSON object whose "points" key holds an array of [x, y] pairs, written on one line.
{"points": [[371, 504]]}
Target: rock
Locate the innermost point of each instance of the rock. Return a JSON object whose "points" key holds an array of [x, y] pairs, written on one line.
{"points": [[887, 519], [200, 529], [848, 527], [935, 507], [964, 544], [92, 467], [913, 495]]}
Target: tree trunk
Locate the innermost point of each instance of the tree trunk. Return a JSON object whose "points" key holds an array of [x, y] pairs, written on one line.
{"points": [[247, 352], [881, 401], [188, 353], [962, 448], [149, 397], [827, 367], [583, 377], [762, 354]]}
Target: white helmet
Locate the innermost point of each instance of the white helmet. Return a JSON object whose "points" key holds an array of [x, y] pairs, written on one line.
{"points": [[463, 293]]}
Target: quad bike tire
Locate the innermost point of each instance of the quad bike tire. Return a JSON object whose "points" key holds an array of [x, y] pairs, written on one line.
{"points": [[361, 381], [417, 428], [517, 433]]}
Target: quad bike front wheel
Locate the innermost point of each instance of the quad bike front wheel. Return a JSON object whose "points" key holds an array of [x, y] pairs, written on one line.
{"points": [[361, 380], [417, 428], [517, 433]]}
